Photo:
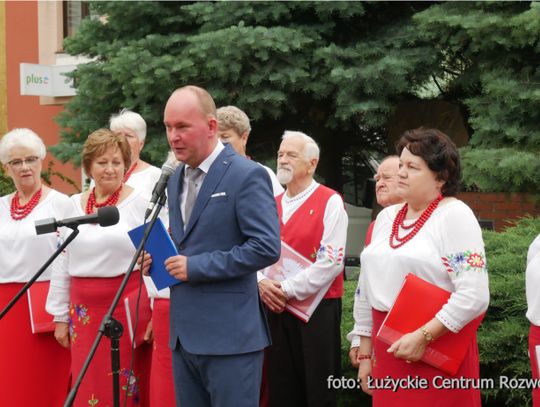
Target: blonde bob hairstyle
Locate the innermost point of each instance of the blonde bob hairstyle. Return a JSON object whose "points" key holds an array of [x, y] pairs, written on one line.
{"points": [[97, 144]]}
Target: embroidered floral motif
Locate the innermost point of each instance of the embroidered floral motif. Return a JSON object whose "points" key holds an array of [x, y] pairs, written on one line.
{"points": [[334, 255], [475, 260], [465, 261], [93, 401], [77, 313], [72, 333], [131, 387], [314, 253]]}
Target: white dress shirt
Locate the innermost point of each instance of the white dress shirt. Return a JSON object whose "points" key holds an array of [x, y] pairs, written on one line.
{"points": [[204, 167], [323, 270]]}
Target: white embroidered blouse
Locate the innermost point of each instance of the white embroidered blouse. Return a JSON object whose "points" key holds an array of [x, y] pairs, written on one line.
{"points": [[96, 252], [22, 251], [447, 251]]}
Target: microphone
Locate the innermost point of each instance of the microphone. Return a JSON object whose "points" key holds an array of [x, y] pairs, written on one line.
{"points": [[167, 170], [106, 216]]}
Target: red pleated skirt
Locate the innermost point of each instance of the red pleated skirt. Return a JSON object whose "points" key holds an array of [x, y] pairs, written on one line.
{"points": [[34, 368], [161, 376], [90, 301], [534, 341], [386, 365]]}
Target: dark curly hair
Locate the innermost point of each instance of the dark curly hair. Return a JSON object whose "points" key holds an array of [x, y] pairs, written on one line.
{"points": [[438, 151]]}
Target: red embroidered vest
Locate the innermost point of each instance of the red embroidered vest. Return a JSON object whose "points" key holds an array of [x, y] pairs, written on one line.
{"points": [[304, 230]]}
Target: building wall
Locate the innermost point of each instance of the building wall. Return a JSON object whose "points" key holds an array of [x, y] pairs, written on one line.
{"points": [[3, 80], [23, 45], [500, 209]]}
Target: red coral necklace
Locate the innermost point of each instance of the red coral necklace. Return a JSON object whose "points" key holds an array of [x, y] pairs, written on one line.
{"points": [[112, 200], [19, 211], [130, 171], [397, 241]]}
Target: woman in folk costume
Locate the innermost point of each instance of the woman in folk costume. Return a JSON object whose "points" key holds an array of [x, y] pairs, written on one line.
{"points": [[436, 237], [532, 284], [34, 370], [84, 284], [143, 176]]}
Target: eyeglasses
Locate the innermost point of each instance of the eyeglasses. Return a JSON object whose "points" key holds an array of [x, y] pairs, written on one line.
{"points": [[18, 163]]}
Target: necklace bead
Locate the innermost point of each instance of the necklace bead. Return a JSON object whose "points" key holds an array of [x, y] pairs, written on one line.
{"points": [[19, 211], [130, 171], [111, 200], [397, 241]]}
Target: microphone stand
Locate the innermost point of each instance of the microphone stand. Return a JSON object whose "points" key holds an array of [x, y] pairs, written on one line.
{"points": [[59, 250], [112, 328]]}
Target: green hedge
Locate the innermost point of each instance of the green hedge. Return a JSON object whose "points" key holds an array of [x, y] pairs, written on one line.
{"points": [[502, 337], [6, 185]]}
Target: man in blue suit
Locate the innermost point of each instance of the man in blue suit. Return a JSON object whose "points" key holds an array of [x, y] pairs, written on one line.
{"points": [[218, 328]]}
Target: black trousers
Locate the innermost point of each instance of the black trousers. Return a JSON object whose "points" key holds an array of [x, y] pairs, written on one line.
{"points": [[303, 356]]}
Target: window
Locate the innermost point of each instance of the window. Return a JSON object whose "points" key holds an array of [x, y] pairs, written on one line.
{"points": [[74, 12]]}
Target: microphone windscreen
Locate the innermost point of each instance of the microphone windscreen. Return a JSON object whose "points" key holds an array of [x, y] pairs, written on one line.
{"points": [[108, 216], [169, 166]]}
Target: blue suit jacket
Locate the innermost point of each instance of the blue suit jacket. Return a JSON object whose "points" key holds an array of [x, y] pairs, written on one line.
{"points": [[232, 233]]}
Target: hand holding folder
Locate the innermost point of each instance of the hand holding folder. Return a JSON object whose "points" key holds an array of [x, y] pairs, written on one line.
{"points": [[161, 247], [416, 304]]}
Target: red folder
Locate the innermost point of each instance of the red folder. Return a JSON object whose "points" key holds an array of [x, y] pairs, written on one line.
{"points": [[137, 319], [289, 264], [416, 304], [40, 320]]}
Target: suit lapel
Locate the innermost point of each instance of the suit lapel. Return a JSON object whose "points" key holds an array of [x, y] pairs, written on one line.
{"points": [[211, 181]]}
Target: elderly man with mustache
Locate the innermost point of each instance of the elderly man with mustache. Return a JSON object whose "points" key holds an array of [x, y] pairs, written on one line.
{"points": [[386, 194], [313, 222]]}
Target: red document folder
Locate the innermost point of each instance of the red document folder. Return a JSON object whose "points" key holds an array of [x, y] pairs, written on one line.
{"points": [[144, 314], [40, 320], [416, 304], [289, 264]]}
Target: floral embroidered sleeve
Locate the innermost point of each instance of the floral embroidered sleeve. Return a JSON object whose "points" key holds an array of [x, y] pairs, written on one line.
{"points": [[463, 257], [468, 260], [329, 256]]}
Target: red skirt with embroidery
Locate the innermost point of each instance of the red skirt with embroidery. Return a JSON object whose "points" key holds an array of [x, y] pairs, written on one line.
{"points": [[90, 301], [34, 368], [534, 341], [161, 377], [417, 374]]}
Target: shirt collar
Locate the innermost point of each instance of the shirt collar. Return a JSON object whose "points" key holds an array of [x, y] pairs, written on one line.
{"points": [[208, 161]]}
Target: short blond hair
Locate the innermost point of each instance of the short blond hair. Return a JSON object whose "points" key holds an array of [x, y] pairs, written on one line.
{"points": [[231, 117], [97, 144], [206, 102]]}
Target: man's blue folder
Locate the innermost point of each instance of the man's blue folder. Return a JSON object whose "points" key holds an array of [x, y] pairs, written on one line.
{"points": [[160, 246]]}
